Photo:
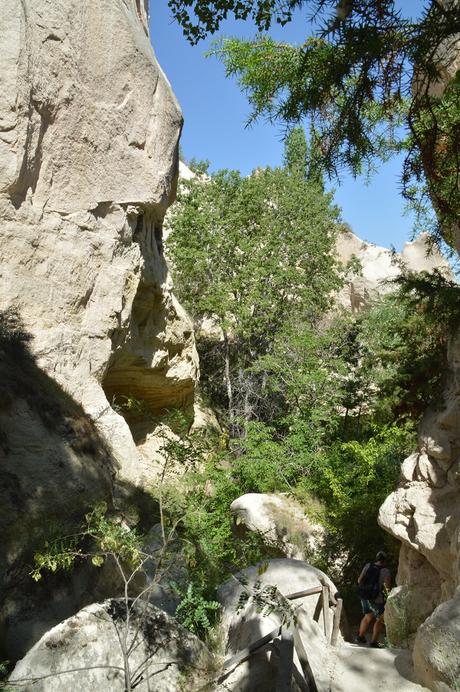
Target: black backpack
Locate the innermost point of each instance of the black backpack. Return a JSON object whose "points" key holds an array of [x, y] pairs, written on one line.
{"points": [[369, 586]]}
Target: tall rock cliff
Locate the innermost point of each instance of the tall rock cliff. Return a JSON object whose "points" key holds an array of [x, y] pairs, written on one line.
{"points": [[89, 131]]}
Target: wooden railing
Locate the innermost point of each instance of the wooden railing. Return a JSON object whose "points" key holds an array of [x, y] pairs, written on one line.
{"points": [[286, 639]]}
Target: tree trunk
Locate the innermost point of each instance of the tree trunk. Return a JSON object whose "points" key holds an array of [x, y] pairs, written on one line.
{"points": [[228, 381]]}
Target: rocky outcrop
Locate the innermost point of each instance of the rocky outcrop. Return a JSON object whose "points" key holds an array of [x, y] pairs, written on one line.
{"points": [[89, 132], [86, 652], [280, 522], [424, 514], [437, 647], [378, 266], [89, 161], [242, 626]]}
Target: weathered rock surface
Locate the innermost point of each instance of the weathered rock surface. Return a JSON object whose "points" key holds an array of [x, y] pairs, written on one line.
{"points": [[280, 521], [244, 626], [379, 266], [84, 653], [437, 647], [424, 512], [89, 132], [89, 156], [54, 463]]}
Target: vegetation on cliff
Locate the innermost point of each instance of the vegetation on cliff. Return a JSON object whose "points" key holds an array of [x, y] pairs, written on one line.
{"points": [[314, 401]]}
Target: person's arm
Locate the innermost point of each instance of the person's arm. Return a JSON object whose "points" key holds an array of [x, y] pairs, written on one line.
{"points": [[364, 570]]}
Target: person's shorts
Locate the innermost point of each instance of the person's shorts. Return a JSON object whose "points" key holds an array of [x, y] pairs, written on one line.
{"points": [[372, 607]]}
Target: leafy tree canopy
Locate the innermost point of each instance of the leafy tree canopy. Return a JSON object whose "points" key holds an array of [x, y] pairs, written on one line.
{"points": [[366, 71], [253, 253]]}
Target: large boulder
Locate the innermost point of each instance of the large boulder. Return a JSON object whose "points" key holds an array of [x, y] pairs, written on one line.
{"points": [[437, 648], [99, 646], [244, 625], [280, 521]]}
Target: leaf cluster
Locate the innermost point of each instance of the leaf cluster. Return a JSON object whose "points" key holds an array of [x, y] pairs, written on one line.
{"points": [[195, 612], [100, 536]]}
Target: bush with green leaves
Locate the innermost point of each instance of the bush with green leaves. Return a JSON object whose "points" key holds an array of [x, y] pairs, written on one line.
{"points": [[194, 611]]}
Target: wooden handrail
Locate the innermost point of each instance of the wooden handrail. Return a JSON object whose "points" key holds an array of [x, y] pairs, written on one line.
{"points": [[244, 654], [302, 594], [290, 640]]}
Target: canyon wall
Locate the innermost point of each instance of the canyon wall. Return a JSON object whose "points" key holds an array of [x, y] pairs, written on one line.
{"points": [[89, 131]]}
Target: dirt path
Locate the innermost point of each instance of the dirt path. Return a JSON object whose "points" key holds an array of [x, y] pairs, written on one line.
{"points": [[362, 669]]}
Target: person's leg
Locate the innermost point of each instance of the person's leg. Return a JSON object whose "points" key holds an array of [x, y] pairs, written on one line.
{"points": [[365, 623], [379, 624]]}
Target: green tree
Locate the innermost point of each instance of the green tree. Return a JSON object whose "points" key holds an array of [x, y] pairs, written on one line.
{"points": [[362, 74], [251, 253]]}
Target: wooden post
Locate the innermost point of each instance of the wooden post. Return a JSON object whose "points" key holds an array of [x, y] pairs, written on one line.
{"points": [[318, 607], [304, 662], [325, 604], [285, 647], [336, 622]]}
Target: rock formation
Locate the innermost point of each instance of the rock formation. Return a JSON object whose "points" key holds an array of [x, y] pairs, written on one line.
{"points": [[89, 162], [280, 521], [84, 653], [424, 514], [246, 625], [89, 132], [379, 266]]}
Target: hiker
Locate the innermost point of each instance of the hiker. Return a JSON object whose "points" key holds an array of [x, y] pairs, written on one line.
{"points": [[374, 583]]}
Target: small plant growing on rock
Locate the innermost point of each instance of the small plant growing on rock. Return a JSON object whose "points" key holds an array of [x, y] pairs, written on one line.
{"points": [[194, 611]]}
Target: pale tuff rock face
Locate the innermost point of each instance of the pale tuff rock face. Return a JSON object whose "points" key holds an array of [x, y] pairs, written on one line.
{"points": [[88, 151], [424, 513], [83, 653], [378, 266], [89, 132], [280, 522]]}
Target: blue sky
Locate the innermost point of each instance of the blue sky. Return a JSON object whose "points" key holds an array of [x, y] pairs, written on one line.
{"points": [[215, 113]]}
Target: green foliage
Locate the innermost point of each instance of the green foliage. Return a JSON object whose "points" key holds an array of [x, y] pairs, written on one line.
{"points": [[206, 17], [324, 403], [99, 538], [267, 599], [247, 248], [365, 71], [253, 253], [433, 177], [4, 672], [353, 479], [404, 341], [199, 508], [194, 611]]}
